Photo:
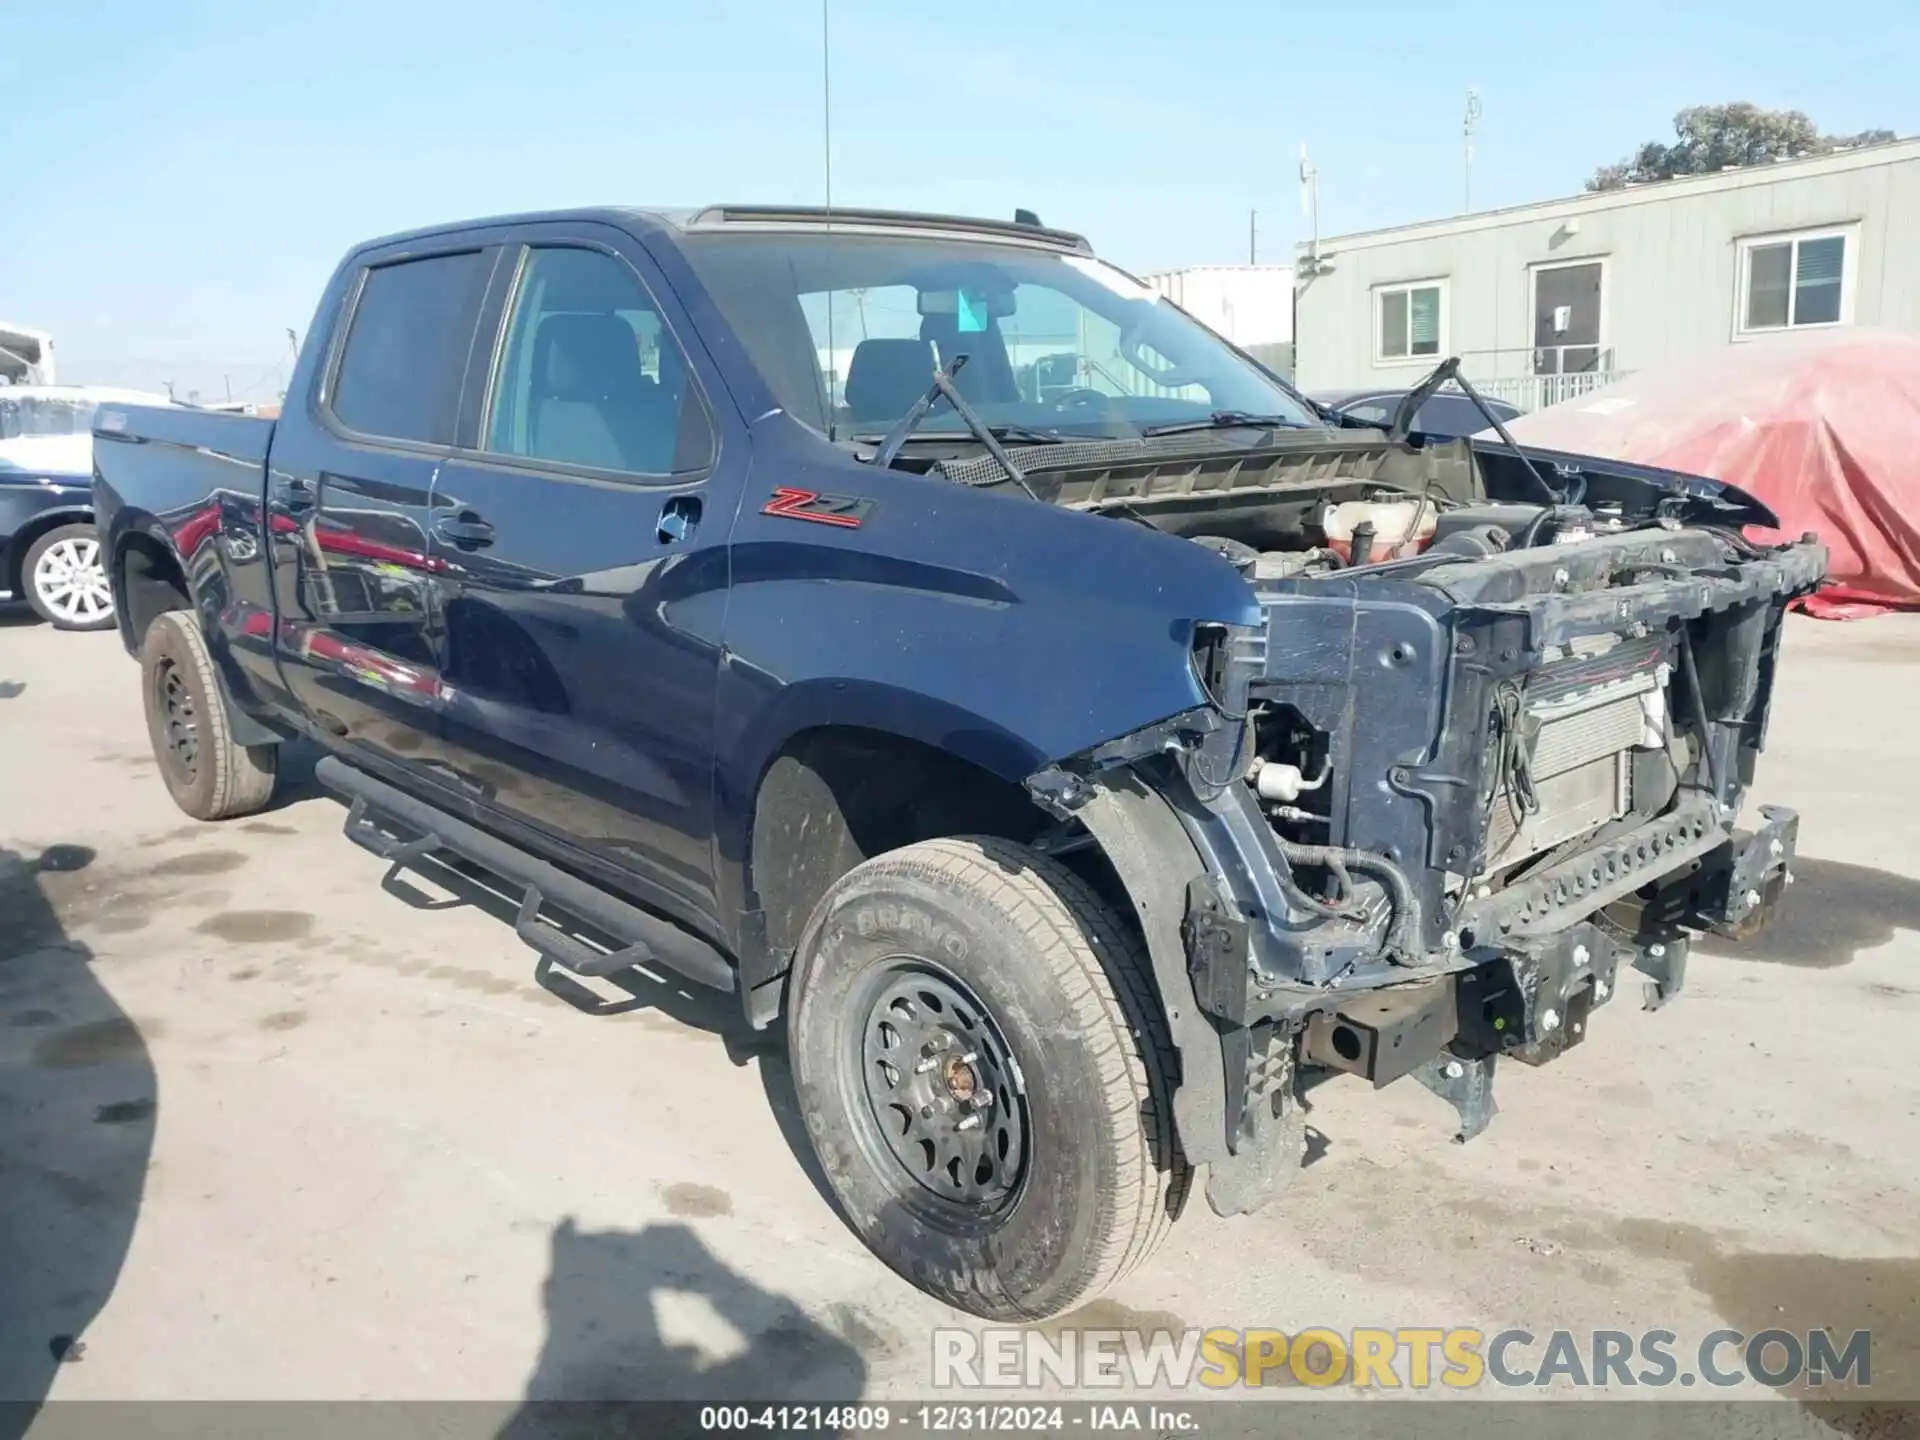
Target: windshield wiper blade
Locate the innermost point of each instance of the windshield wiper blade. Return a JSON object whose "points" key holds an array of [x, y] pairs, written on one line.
{"points": [[1024, 434], [1224, 420], [943, 386]]}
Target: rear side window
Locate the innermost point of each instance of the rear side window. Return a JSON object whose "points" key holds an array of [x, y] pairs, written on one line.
{"points": [[590, 374], [406, 350]]}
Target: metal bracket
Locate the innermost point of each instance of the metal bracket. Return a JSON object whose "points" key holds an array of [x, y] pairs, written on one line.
{"points": [[1269, 1135], [365, 832], [565, 951], [1467, 1085]]}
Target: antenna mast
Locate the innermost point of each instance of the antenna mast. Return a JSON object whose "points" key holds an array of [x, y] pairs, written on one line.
{"points": [[1471, 119], [832, 366]]}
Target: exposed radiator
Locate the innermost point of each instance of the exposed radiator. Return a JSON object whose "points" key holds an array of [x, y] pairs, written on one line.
{"points": [[1580, 757]]}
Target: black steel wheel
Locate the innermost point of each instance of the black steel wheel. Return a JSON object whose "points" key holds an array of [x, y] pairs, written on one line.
{"points": [[179, 723], [943, 1094]]}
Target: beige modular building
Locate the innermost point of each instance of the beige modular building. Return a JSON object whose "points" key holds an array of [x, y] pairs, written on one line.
{"points": [[1550, 300]]}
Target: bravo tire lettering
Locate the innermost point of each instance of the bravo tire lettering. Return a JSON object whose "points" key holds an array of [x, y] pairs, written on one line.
{"points": [[872, 920]]}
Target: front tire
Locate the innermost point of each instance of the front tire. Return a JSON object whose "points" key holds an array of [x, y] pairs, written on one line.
{"points": [[65, 579], [209, 776], [985, 1075]]}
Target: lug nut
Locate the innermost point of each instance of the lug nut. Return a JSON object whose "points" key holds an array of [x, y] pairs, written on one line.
{"points": [[969, 1122], [969, 1057], [924, 1066], [1455, 1069], [1656, 950]]}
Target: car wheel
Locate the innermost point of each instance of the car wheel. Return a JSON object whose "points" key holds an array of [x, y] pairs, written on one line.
{"points": [[209, 776], [985, 1076], [65, 579]]}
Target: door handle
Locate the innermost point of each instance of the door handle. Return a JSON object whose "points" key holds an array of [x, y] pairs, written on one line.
{"points": [[468, 531], [296, 493], [677, 519]]}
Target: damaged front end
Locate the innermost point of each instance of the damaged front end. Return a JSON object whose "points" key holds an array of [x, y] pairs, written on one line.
{"points": [[1437, 812]]}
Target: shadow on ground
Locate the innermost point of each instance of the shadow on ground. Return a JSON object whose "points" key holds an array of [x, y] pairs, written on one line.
{"points": [[1832, 912], [655, 1315], [666, 994], [77, 1105]]}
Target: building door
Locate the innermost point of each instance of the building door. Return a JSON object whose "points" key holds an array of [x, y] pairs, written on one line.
{"points": [[1566, 318]]}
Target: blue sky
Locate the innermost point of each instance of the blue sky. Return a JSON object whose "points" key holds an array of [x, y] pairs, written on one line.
{"points": [[177, 179]]}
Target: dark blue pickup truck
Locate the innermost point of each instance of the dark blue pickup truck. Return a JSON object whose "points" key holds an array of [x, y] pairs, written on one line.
{"points": [[917, 627]]}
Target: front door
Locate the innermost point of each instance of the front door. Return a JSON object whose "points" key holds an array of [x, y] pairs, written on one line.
{"points": [[578, 550], [348, 500], [1566, 318]]}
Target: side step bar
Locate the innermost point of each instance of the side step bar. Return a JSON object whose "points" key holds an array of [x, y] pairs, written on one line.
{"points": [[649, 939]]}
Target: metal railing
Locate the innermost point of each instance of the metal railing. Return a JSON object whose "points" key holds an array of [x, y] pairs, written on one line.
{"points": [[1541, 376]]}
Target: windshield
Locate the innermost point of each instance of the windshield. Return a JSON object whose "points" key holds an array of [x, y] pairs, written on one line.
{"points": [[22, 415], [846, 329]]}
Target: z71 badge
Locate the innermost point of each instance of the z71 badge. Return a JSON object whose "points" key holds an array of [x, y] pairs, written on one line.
{"points": [[847, 511]]}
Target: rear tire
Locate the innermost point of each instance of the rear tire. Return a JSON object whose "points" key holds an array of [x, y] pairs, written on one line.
{"points": [[65, 580], [973, 979], [209, 776]]}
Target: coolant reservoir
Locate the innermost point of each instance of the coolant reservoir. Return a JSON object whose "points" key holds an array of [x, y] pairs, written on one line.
{"points": [[1400, 527]]}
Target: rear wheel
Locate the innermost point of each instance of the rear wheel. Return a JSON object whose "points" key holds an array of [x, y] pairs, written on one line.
{"points": [[65, 580], [985, 1076], [209, 776]]}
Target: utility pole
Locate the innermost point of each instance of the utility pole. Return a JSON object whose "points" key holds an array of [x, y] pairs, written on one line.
{"points": [[1466, 130], [169, 385], [227, 380], [1253, 237]]}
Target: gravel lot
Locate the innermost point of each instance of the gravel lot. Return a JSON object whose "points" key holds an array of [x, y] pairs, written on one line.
{"points": [[269, 1130]]}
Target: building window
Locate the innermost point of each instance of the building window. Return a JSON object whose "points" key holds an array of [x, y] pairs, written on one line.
{"points": [[1790, 281], [1410, 321]]}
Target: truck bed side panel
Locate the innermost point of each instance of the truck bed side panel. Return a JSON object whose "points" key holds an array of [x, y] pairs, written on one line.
{"points": [[192, 481]]}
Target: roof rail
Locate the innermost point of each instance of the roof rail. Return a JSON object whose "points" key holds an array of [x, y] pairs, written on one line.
{"points": [[719, 215]]}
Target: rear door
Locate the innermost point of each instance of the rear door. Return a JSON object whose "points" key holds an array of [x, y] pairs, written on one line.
{"points": [[579, 556], [347, 502]]}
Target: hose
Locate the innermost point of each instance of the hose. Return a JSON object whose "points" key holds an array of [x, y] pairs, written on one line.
{"points": [[1403, 933]]}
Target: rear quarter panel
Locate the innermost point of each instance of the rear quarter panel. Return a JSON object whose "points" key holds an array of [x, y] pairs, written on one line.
{"points": [[192, 482]]}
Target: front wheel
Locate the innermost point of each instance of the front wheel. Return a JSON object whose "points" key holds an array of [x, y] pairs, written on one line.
{"points": [[985, 1075], [66, 581]]}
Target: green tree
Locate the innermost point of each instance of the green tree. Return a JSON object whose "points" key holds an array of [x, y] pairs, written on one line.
{"points": [[1712, 137]]}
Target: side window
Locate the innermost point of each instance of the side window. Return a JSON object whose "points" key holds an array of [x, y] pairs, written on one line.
{"points": [[406, 349], [590, 374]]}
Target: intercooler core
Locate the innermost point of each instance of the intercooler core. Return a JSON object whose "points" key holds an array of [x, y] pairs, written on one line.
{"points": [[1581, 719]]}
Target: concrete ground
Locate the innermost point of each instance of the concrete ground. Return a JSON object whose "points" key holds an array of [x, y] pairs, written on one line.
{"points": [[270, 1131]]}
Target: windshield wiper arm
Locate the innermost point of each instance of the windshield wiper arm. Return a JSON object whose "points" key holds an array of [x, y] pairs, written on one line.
{"points": [[1223, 420], [983, 432]]}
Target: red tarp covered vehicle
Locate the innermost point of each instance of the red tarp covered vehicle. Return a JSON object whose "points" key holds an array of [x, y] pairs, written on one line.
{"points": [[1824, 429]]}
